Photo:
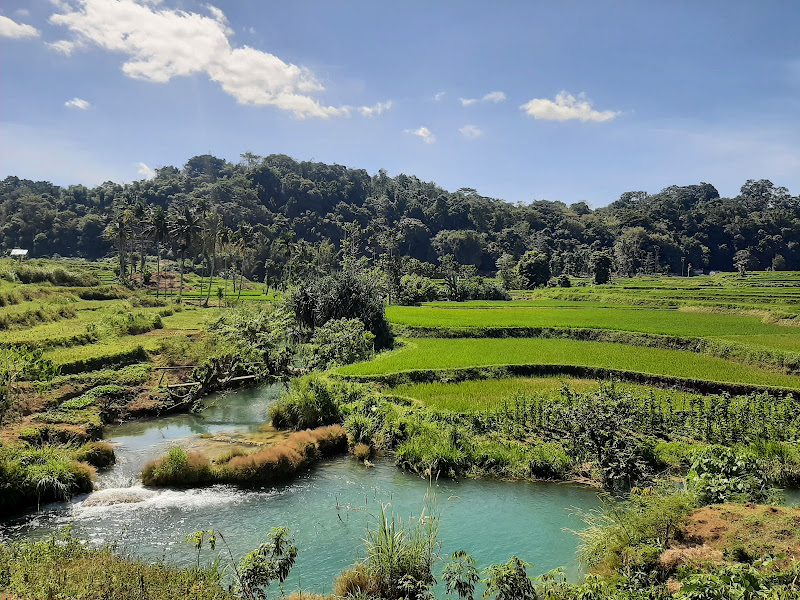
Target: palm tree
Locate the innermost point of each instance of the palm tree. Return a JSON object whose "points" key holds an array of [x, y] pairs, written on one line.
{"points": [[157, 230], [245, 236], [212, 227], [118, 231], [225, 241], [184, 226]]}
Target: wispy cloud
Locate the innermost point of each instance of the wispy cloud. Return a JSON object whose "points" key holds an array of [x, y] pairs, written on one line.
{"points": [[145, 171], [566, 107], [471, 132], [438, 96], [424, 133], [495, 97], [79, 103], [376, 109], [11, 29], [160, 43]]}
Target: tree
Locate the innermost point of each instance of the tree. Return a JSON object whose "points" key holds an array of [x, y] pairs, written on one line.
{"points": [[533, 269], [506, 271], [157, 230], [601, 267], [185, 229], [743, 261], [212, 226]]}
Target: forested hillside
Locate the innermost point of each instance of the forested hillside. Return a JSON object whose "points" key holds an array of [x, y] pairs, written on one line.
{"points": [[299, 212]]}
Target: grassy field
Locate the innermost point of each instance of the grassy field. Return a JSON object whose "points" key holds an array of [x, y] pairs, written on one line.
{"points": [[427, 353]]}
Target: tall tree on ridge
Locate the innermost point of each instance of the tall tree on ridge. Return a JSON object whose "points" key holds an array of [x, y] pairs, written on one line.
{"points": [[185, 228]]}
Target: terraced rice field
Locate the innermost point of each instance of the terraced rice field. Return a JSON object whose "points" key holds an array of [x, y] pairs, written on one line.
{"points": [[492, 394], [429, 353], [644, 320]]}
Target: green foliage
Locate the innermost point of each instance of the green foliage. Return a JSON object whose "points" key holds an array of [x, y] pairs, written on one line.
{"points": [[270, 562], [719, 474], [109, 390], [510, 581], [415, 288], [57, 276], [533, 270], [178, 468], [352, 294], [339, 342], [601, 267], [629, 535], [36, 475], [460, 575], [134, 323], [400, 558], [312, 402], [62, 566], [98, 454]]}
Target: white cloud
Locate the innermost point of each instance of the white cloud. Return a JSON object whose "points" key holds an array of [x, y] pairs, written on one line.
{"points": [[424, 133], [162, 43], [62, 46], [376, 109], [145, 171], [11, 29], [438, 96], [566, 107], [471, 132], [494, 97], [77, 103], [252, 30], [22, 12], [490, 97]]}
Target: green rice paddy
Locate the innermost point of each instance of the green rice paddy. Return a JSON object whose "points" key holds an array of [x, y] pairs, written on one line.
{"points": [[652, 321], [428, 353], [492, 394]]}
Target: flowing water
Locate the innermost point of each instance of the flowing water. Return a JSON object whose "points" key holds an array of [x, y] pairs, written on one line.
{"points": [[327, 509]]}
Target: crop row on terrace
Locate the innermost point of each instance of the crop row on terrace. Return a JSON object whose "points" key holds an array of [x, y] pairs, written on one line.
{"points": [[559, 355], [655, 321]]}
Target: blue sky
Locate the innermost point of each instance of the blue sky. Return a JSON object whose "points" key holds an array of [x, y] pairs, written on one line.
{"points": [[520, 100]]}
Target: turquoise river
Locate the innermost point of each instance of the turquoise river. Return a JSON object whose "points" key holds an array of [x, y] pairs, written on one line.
{"points": [[327, 509]]}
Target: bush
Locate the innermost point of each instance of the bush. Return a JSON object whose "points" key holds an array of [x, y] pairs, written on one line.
{"points": [[178, 468], [415, 289], [719, 474], [98, 454], [57, 276], [312, 402], [350, 294], [478, 288], [339, 342], [33, 476]]}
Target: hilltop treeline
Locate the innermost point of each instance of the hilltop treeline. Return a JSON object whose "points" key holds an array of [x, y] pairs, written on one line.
{"points": [[311, 212]]}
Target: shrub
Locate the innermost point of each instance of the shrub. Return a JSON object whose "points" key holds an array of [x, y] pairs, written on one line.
{"points": [[414, 289], [57, 276], [32, 476], [339, 342], [312, 402], [719, 474], [98, 454], [178, 468], [352, 293]]}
